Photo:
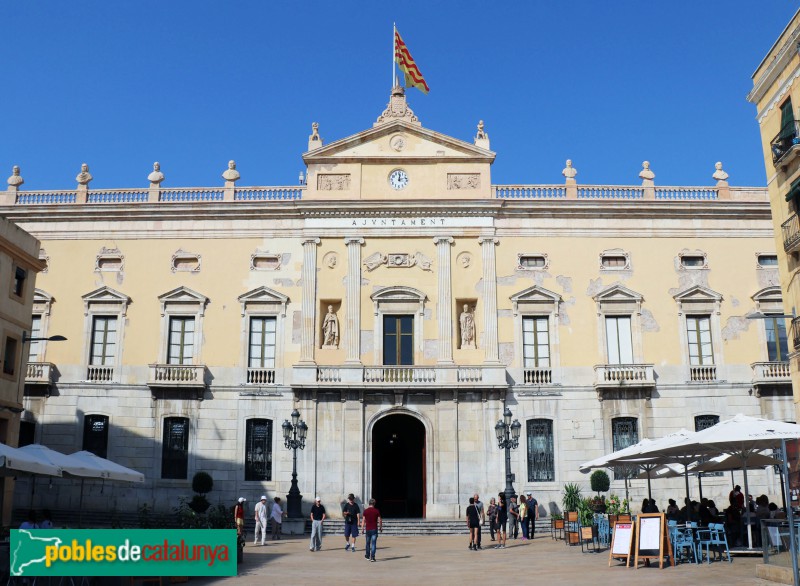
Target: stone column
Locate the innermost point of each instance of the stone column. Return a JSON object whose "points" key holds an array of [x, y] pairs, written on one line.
{"points": [[444, 309], [352, 320], [489, 298], [309, 303]]}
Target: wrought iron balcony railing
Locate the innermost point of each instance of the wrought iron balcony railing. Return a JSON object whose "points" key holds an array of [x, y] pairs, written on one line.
{"points": [[796, 333], [788, 137], [790, 230]]}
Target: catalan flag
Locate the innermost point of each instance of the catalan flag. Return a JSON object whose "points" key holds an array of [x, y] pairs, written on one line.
{"points": [[407, 65]]}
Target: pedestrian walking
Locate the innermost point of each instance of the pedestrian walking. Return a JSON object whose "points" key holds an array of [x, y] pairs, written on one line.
{"points": [[352, 518], [277, 518], [481, 516], [473, 524], [317, 517], [533, 514], [491, 513], [371, 523], [261, 516]]}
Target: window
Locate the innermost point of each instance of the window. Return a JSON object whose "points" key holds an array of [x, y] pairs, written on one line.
{"points": [[615, 259], [27, 433], [767, 260], [258, 450], [104, 341], [95, 434], [618, 340], [10, 357], [35, 347], [693, 261], [398, 340], [535, 342], [624, 433], [777, 345], [175, 448], [18, 287], [262, 342], [615, 262], [541, 456], [698, 330], [702, 422], [181, 340], [787, 119], [532, 261]]}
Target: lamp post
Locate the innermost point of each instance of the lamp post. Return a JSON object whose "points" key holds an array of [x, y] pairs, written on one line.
{"points": [[294, 437], [508, 439]]}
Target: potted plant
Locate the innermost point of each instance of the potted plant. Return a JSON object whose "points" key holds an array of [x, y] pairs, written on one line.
{"points": [[600, 482], [556, 523], [588, 529], [202, 484], [571, 500]]}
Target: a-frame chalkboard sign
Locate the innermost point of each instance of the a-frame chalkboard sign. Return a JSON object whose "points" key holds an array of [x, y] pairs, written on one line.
{"points": [[621, 542], [652, 539]]}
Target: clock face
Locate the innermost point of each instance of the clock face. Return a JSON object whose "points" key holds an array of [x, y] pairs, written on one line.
{"points": [[398, 179]]}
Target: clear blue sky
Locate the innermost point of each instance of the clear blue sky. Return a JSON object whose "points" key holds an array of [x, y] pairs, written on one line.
{"points": [[193, 84]]}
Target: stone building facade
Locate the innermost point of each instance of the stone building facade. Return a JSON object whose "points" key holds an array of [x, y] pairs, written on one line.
{"points": [[400, 301], [776, 95]]}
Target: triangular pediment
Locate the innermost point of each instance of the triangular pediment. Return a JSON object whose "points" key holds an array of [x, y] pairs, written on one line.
{"points": [[697, 293], [183, 296], [263, 297], [105, 296], [617, 293], [533, 298], [398, 141]]}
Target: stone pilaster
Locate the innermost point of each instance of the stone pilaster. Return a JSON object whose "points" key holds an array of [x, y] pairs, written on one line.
{"points": [[444, 309], [308, 308], [352, 320], [490, 342]]}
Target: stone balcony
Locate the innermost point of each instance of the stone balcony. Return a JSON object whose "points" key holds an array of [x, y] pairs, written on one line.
{"points": [[627, 378], [431, 377], [188, 377], [100, 374], [770, 375], [40, 373]]}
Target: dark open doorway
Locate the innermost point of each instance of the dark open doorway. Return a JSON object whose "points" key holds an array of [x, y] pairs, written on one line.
{"points": [[398, 466]]}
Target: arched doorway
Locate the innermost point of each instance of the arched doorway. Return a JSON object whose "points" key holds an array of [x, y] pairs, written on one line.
{"points": [[398, 466]]}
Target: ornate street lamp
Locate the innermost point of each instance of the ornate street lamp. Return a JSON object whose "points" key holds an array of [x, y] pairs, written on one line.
{"points": [[508, 439], [294, 437]]}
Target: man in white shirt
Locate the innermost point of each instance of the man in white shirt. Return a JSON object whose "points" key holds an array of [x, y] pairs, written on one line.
{"points": [[261, 520], [277, 518]]}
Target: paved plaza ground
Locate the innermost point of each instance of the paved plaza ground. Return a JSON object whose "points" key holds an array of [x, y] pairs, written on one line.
{"points": [[425, 560]]}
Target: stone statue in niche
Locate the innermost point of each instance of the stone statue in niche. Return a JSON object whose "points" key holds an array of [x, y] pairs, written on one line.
{"points": [[467, 323], [330, 330]]}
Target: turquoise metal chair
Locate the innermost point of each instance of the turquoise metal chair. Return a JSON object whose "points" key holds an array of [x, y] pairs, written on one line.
{"points": [[681, 539]]}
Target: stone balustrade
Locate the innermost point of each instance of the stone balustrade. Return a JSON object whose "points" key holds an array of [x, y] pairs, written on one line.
{"points": [[177, 375], [617, 375], [39, 373], [100, 374], [703, 374], [770, 372], [261, 376]]}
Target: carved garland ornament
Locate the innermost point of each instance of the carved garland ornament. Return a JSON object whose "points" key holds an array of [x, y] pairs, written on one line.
{"points": [[397, 260]]}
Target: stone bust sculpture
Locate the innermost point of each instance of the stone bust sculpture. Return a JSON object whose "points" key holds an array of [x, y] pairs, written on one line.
{"points": [[646, 174], [231, 174], [156, 176], [84, 177], [330, 329], [16, 179], [569, 171], [467, 322], [719, 174]]}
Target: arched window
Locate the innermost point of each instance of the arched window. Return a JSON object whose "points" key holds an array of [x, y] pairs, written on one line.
{"points": [[541, 456], [258, 450]]}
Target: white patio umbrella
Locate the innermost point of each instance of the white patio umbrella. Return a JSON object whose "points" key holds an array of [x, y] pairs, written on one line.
{"points": [[14, 460], [114, 471], [603, 462], [743, 437], [68, 464]]}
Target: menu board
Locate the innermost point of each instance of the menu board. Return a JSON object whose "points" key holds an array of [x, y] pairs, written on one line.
{"points": [[621, 542], [650, 536]]}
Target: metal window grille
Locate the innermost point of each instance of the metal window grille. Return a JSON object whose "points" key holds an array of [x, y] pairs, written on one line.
{"points": [[258, 450], [95, 434], [175, 448], [541, 455], [702, 422], [624, 433]]}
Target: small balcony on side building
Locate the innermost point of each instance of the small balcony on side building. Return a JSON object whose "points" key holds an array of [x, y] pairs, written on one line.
{"points": [[770, 375], [785, 147], [40, 373]]}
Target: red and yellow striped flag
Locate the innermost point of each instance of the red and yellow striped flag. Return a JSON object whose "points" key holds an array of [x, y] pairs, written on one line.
{"points": [[406, 62]]}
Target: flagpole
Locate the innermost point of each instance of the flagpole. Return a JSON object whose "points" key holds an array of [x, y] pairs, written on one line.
{"points": [[394, 47]]}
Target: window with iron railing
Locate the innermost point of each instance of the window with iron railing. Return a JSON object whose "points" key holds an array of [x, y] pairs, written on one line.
{"points": [[258, 450], [175, 448], [624, 433], [95, 434], [541, 455]]}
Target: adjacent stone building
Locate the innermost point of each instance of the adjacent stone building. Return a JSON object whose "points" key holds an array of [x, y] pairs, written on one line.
{"points": [[400, 301]]}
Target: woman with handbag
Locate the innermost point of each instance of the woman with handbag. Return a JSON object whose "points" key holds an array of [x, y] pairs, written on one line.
{"points": [[491, 512], [523, 516]]}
